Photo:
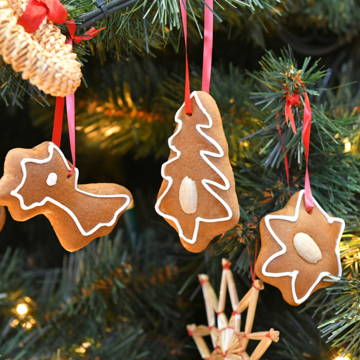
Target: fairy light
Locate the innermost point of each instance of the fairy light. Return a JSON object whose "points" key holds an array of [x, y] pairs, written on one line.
{"points": [[342, 358], [347, 145], [22, 309]]}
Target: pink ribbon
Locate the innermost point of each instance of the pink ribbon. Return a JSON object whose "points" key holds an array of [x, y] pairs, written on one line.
{"points": [[187, 79], [208, 44], [208, 49], [309, 202], [58, 119]]}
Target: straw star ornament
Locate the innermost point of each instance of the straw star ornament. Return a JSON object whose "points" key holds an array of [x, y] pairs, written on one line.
{"points": [[228, 341]]}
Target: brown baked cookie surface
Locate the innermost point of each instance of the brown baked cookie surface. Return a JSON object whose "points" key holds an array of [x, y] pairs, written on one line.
{"points": [[197, 196], [299, 249], [36, 181]]}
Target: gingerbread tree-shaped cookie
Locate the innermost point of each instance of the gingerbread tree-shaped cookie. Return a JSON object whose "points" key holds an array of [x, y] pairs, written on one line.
{"points": [[197, 196]]}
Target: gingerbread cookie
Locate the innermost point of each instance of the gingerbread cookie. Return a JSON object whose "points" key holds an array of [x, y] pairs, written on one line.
{"points": [[197, 196], [299, 249], [36, 181]]}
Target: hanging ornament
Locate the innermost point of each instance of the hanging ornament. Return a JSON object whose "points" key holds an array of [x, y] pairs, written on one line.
{"points": [[229, 342], [299, 249], [36, 181], [40, 55], [41, 181], [197, 196]]}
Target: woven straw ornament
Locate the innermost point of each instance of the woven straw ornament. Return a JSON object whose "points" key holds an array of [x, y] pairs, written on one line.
{"points": [[42, 57]]}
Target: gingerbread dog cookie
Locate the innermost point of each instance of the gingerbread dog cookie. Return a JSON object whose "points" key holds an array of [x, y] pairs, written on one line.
{"points": [[36, 181], [299, 249], [197, 196]]}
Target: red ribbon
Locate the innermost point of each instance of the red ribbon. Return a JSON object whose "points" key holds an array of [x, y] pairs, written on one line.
{"points": [[70, 100], [37, 10], [58, 120], [295, 100], [309, 202], [208, 48], [78, 38], [290, 101]]}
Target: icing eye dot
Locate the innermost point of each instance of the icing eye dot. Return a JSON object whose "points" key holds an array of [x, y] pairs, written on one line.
{"points": [[51, 180]]}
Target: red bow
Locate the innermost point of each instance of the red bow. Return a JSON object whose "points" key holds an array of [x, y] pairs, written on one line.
{"points": [[291, 100], [37, 10], [78, 38]]}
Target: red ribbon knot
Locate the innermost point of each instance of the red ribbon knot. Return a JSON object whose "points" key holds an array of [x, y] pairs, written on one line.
{"points": [[293, 100], [37, 10], [91, 33]]}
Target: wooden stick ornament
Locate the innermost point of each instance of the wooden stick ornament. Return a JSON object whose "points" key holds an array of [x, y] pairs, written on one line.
{"points": [[228, 341]]}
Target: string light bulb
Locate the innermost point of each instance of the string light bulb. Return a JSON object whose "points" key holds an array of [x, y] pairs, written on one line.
{"points": [[22, 309], [347, 145]]}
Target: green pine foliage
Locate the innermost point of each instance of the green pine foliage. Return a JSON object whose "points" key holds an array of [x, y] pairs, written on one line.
{"points": [[131, 298]]}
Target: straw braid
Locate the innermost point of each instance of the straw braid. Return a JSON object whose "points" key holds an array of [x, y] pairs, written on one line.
{"points": [[42, 57]]}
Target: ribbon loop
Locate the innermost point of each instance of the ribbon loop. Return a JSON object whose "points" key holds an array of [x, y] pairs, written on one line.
{"points": [[208, 44], [188, 108], [309, 202], [208, 49], [70, 99], [294, 100]]}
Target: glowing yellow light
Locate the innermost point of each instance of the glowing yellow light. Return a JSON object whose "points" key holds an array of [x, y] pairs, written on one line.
{"points": [[21, 309], [14, 323], [245, 143], [27, 325], [347, 146], [112, 130], [342, 358], [80, 350], [86, 345]]}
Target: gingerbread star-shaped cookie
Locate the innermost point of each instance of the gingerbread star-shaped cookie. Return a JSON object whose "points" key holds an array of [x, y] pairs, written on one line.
{"points": [[299, 249]]}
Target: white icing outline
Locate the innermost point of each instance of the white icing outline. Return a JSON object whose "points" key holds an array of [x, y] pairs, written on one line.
{"points": [[205, 182], [51, 148], [295, 273]]}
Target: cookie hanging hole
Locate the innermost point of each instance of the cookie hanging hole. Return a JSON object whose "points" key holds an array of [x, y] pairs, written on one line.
{"points": [[71, 172]]}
